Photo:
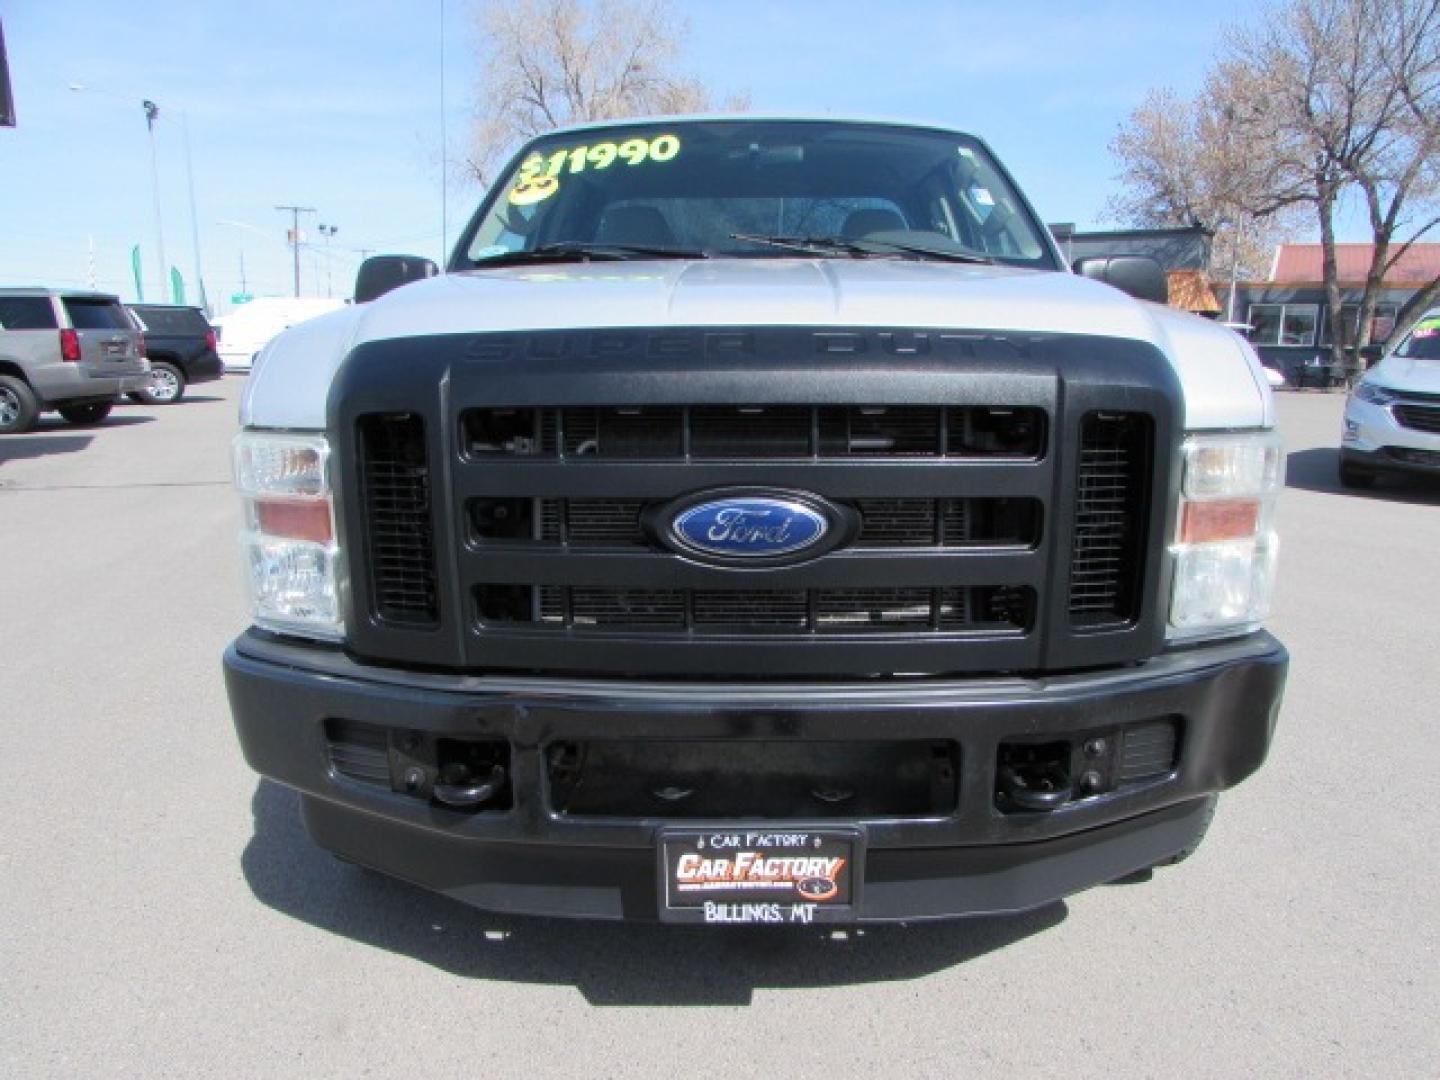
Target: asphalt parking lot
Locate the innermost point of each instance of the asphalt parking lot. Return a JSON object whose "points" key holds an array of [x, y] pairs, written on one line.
{"points": [[162, 912]]}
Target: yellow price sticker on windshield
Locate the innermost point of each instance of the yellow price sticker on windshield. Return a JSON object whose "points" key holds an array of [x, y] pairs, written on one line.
{"points": [[533, 189], [539, 174]]}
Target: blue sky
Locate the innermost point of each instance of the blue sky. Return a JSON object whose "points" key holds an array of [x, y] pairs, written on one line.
{"points": [[337, 106]]}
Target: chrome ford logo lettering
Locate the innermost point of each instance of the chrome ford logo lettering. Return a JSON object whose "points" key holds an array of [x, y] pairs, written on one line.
{"points": [[755, 527]]}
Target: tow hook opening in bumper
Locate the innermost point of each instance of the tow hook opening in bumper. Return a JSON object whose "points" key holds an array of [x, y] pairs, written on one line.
{"points": [[1043, 773]]}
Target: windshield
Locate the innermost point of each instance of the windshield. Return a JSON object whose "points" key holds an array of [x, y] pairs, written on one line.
{"points": [[1423, 342], [735, 188]]}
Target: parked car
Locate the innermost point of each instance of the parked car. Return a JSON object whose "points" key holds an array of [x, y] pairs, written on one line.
{"points": [[72, 351], [249, 328], [1392, 418], [181, 345]]}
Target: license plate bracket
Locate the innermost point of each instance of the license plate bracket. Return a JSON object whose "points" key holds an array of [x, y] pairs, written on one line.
{"points": [[760, 874]]}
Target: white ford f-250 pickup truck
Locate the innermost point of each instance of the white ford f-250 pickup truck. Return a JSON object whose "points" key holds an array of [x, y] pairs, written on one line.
{"points": [[758, 522]]}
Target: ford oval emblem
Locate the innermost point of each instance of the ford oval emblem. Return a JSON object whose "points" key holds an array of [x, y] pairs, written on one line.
{"points": [[750, 527]]}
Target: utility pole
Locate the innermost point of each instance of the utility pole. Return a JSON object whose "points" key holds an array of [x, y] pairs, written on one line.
{"points": [[152, 112], [295, 212]]}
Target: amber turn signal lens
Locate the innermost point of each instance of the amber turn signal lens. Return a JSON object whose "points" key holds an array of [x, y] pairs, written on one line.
{"points": [[1219, 519], [292, 520]]}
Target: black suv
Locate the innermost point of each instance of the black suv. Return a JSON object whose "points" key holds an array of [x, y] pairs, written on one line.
{"points": [[181, 345]]}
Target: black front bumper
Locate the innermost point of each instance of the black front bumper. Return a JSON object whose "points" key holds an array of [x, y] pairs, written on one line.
{"points": [[978, 859], [1393, 459]]}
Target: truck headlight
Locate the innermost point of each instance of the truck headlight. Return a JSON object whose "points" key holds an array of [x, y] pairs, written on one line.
{"points": [[1225, 545], [288, 533]]}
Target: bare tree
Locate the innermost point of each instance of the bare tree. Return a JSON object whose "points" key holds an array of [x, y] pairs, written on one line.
{"points": [[1315, 101], [548, 63], [1347, 95], [1183, 165]]}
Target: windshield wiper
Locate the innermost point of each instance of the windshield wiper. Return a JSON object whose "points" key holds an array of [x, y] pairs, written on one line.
{"points": [[813, 245], [860, 248], [586, 251]]}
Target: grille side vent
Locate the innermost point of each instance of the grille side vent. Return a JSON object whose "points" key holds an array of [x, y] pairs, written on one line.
{"points": [[1107, 553], [396, 491], [1147, 751]]}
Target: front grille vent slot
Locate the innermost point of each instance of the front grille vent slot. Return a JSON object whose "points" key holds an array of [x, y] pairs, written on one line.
{"points": [[1107, 565], [885, 523], [755, 432], [875, 610], [396, 484], [1419, 417]]}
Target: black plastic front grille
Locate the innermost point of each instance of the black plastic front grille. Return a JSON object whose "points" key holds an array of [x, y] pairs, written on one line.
{"points": [[395, 479], [1108, 533], [1001, 508], [755, 432], [1424, 418]]}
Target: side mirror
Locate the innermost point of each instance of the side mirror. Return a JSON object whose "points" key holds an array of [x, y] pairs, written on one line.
{"points": [[1371, 353], [381, 273], [1138, 275]]}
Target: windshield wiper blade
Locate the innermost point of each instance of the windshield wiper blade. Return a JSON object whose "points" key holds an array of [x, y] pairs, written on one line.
{"points": [[584, 250], [860, 248], [926, 251], [813, 245]]}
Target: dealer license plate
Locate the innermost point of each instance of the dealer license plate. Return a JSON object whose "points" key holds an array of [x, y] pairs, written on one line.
{"points": [[758, 874]]}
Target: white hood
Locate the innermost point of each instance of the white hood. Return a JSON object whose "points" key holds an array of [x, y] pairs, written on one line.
{"points": [[1224, 387], [1419, 376]]}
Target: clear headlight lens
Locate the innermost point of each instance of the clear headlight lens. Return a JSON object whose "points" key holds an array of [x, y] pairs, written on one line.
{"points": [[1225, 547], [288, 537], [273, 464], [1375, 395]]}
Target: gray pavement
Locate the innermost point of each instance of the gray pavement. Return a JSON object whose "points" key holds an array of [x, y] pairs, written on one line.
{"points": [[162, 913]]}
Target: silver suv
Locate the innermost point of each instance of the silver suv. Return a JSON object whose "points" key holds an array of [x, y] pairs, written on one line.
{"points": [[75, 352]]}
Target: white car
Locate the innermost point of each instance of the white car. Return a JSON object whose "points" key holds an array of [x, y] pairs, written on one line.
{"points": [[1392, 418], [248, 329]]}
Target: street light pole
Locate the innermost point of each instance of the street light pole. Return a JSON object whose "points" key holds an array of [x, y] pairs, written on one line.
{"points": [[194, 218], [295, 212], [328, 231], [152, 111]]}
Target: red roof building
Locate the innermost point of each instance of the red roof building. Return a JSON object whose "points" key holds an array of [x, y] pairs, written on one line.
{"points": [[1301, 264]]}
